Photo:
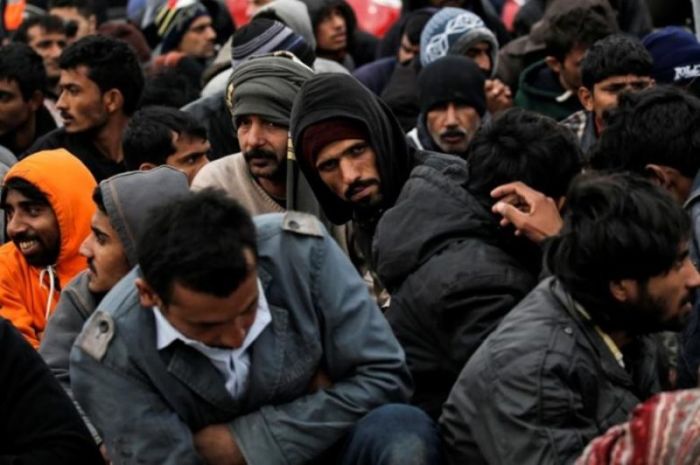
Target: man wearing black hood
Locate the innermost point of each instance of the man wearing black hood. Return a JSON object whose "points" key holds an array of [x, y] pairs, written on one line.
{"points": [[452, 103], [337, 35], [452, 271], [353, 152]]}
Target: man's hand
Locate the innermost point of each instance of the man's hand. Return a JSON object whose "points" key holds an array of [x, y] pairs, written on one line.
{"points": [[215, 443], [319, 381], [498, 96], [533, 214]]}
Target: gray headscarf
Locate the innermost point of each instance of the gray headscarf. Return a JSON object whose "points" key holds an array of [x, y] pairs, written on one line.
{"points": [[266, 86]]}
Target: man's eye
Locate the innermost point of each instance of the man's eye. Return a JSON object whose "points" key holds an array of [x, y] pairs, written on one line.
{"points": [[358, 150], [328, 165]]}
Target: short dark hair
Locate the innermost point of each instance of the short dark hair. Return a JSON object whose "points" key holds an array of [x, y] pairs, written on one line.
{"points": [[199, 243], [86, 8], [49, 23], [26, 188], [659, 125], [98, 199], [170, 87], [520, 145], [579, 26], [615, 55], [616, 226], [148, 136], [112, 64], [19, 63]]}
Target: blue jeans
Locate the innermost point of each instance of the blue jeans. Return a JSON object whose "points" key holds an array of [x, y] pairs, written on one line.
{"points": [[393, 434]]}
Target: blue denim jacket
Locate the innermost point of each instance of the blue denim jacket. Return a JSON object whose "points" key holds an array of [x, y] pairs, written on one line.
{"points": [[147, 403]]}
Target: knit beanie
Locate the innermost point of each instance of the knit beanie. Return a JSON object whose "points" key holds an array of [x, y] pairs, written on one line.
{"points": [[174, 19], [453, 31], [323, 133], [451, 79], [262, 36], [676, 54]]}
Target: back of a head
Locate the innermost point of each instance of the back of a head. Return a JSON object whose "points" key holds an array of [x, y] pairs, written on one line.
{"points": [[676, 55], [523, 146], [148, 137], [111, 63], [262, 36], [19, 63], [581, 26], [660, 125], [615, 55], [617, 226], [198, 242]]}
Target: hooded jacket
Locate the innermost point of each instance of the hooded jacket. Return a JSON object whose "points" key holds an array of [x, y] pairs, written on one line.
{"points": [[540, 91], [129, 198], [452, 272], [29, 294], [330, 96]]}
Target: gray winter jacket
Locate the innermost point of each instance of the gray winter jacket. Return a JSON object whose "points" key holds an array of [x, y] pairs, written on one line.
{"points": [[147, 403], [129, 198], [543, 385]]}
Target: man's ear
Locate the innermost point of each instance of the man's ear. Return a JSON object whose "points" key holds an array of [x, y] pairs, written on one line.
{"points": [[92, 20], [660, 175], [147, 296], [36, 100], [113, 100], [624, 290], [553, 64], [585, 96], [145, 166]]}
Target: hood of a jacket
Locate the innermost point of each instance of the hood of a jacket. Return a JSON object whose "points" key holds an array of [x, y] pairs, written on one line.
{"points": [[318, 7], [434, 211], [68, 186], [532, 82], [131, 198], [295, 15], [329, 96]]}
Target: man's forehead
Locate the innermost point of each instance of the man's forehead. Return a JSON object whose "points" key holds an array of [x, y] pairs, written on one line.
{"points": [[9, 85], [337, 147], [624, 79], [72, 75]]}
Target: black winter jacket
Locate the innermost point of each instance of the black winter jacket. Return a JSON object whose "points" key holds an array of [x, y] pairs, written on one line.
{"points": [[452, 272], [543, 385]]}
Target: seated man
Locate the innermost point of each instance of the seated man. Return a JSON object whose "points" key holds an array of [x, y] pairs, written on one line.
{"points": [[39, 423], [165, 136], [451, 283], [574, 357], [452, 103], [612, 65], [550, 86], [23, 116], [259, 345], [123, 204], [46, 198]]}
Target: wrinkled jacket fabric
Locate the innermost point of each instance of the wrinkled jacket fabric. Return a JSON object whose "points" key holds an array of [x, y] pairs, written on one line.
{"points": [[68, 186], [322, 317], [451, 277], [543, 385]]}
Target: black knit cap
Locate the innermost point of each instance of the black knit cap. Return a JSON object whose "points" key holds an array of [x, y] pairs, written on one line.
{"points": [[452, 79]]}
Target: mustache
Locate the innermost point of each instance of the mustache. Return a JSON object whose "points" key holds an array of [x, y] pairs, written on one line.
{"points": [[358, 185], [456, 132], [259, 154], [25, 237]]}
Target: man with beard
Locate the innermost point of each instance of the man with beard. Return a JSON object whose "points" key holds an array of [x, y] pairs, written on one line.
{"points": [[259, 96], [452, 102], [574, 357], [101, 83], [453, 274], [46, 199], [353, 153]]}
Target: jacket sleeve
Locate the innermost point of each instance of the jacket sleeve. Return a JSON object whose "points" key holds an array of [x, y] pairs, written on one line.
{"points": [[123, 406], [39, 423], [14, 309], [361, 356], [531, 415]]}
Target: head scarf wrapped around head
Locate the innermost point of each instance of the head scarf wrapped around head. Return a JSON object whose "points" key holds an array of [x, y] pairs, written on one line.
{"points": [[266, 86]]}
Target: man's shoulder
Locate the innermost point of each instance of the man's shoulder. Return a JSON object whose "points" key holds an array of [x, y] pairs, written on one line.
{"points": [[58, 138], [221, 173], [292, 223]]}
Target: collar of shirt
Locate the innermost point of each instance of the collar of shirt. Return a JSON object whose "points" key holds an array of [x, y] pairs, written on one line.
{"points": [[614, 349], [166, 333]]}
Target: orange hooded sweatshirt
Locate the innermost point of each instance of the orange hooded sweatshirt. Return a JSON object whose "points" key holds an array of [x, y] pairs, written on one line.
{"points": [[26, 296]]}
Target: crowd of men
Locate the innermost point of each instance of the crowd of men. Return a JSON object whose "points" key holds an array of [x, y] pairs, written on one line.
{"points": [[472, 241]]}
